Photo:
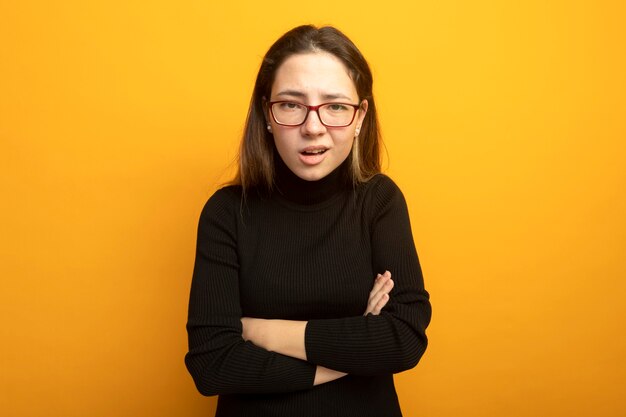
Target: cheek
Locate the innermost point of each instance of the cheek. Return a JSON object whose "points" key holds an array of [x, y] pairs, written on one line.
{"points": [[284, 143], [280, 141], [345, 142]]}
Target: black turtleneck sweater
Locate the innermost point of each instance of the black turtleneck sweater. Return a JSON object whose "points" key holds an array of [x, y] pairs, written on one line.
{"points": [[308, 251]]}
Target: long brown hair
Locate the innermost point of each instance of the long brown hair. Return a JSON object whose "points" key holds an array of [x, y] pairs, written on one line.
{"points": [[256, 154]]}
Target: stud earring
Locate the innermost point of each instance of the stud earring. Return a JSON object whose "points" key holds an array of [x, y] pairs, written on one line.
{"points": [[269, 128]]}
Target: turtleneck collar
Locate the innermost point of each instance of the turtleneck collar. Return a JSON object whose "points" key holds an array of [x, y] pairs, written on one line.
{"points": [[299, 191]]}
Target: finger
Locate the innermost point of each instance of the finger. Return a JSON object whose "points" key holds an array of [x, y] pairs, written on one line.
{"points": [[375, 295], [381, 303], [389, 286], [379, 283], [373, 301], [385, 288], [376, 299]]}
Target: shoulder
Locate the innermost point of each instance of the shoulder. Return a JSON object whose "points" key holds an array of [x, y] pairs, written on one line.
{"points": [[224, 201], [382, 199], [383, 183], [382, 190], [228, 193]]}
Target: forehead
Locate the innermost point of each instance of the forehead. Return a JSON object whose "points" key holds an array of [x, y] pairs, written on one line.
{"points": [[314, 74]]}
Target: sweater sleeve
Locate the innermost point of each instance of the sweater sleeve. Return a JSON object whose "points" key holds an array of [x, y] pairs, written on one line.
{"points": [[219, 360], [395, 340]]}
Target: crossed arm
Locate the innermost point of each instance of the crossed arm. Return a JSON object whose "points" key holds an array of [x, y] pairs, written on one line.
{"points": [[287, 336], [228, 354]]}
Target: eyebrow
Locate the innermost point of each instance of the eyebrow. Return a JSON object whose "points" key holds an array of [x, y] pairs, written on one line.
{"points": [[300, 94]]}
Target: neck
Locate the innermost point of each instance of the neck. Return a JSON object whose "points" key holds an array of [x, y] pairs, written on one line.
{"points": [[300, 191]]}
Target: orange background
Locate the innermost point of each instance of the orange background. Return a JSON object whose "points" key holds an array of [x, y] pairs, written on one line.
{"points": [[505, 128]]}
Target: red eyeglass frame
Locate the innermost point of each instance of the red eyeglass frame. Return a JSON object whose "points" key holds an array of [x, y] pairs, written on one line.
{"points": [[312, 108]]}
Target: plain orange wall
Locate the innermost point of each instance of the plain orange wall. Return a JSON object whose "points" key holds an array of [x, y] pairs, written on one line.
{"points": [[505, 127]]}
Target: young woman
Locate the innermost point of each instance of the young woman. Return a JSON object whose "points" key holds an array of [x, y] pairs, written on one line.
{"points": [[293, 308]]}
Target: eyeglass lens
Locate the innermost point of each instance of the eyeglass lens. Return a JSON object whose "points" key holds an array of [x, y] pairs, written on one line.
{"points": [[332, 114]]}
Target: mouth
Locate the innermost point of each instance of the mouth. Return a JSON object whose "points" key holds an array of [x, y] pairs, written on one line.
{"points": [[317, 150], [313, 155]]}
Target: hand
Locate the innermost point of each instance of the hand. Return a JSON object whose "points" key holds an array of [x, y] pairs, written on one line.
{"points": [[282, 336], [324, 375], [379, 296], [249, 326]]}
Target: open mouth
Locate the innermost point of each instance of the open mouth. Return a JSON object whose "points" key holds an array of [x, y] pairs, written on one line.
{"points": [[314, 151]]}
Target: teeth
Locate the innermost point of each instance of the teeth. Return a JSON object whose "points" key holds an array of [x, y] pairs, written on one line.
{"points": [[316, 151]]}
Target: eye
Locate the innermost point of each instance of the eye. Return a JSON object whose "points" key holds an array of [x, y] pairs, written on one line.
{"points": [[337, 107], [289, 106]]}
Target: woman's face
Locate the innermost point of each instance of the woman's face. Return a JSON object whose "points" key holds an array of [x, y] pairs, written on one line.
{"points": [[313, 150]]}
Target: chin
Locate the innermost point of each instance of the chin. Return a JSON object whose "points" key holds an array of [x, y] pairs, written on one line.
{"points": [[311, 175]]}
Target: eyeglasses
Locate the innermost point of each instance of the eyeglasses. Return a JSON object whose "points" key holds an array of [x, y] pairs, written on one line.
{"points": [[289, 113]]}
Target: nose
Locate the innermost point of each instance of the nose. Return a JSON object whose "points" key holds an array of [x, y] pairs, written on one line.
{"points": [[312, 125]]}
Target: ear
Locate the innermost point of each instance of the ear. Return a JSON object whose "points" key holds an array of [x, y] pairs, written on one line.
{"points": [[362, 112], [266, 110]]}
